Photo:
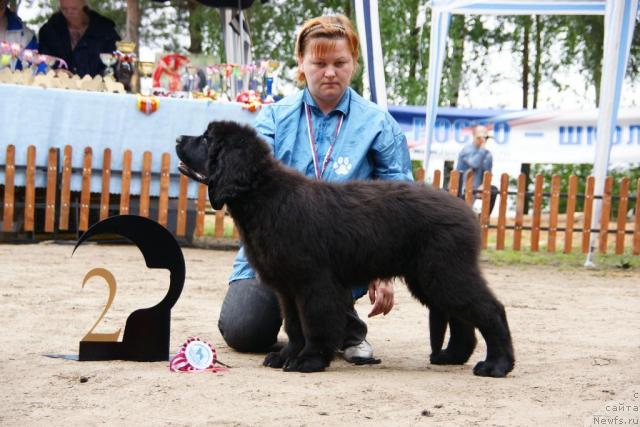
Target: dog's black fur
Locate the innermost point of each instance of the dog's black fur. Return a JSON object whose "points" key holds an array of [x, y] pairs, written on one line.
{"points": [[310, 240]]}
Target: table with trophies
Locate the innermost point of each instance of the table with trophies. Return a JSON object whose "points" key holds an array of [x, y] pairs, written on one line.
{"points": [[136, 105]]}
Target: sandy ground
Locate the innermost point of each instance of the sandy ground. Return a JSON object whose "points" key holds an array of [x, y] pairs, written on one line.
{"points": [[576, 335]]}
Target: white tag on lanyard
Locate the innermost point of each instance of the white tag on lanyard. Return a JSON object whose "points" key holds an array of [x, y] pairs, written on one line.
{"points": [[312, 143]]}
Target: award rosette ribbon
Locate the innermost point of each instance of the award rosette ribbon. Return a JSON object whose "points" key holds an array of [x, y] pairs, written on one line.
{"points": [[250, 100], [148, 104], [196, 355]]}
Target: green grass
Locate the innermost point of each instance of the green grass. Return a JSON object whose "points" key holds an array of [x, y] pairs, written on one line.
{"points": [[209, 225], [558, 259], [508, 256]]}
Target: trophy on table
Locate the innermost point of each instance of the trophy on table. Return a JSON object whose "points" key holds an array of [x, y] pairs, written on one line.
{"points": [[11, 48], [47, 63], [28, 57], [125, 70], [109, 60], [270, 73], [5, 54], [146, 71], [10, 53], [192, 76]]}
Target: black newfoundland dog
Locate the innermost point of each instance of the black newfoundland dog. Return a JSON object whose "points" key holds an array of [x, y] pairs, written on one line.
{"points": [[310, 240]]}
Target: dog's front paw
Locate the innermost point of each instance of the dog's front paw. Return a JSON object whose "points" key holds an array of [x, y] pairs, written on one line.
{"points": [[274, 360], [305, 364], [447, 358], [496, 369]]}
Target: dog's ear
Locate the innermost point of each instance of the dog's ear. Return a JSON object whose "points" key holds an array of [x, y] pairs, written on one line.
{"points": [[216, 199], [230, 177], [234, 164]]}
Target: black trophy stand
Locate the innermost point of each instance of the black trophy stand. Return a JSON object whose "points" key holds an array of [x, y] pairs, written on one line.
{"points": [[147, 330]]}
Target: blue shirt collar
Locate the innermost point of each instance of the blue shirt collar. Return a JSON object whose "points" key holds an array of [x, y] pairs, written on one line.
{"points": [[343, 104]]}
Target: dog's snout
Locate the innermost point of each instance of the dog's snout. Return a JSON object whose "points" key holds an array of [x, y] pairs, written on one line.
{"points": [[179, 139]]}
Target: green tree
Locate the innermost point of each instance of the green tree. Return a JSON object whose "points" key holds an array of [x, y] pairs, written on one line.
{"points": [[582, 171], [582, 43], [469, 41], [405, 50], [454, 63], [273, 28]]}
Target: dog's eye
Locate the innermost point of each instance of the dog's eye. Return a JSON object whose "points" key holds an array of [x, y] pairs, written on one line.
{"points": [[204, 140]]}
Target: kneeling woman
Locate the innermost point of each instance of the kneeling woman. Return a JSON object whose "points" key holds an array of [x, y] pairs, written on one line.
{"points": [[329, 132]]}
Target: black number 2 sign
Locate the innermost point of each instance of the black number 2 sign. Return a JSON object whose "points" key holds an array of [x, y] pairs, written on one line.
{"points": [[147, 330]]}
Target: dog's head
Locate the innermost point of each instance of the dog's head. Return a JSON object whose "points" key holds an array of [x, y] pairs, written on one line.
{"points": [[226, 157]]}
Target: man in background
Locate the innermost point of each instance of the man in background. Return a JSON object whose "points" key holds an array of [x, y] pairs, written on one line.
{"points": [[475, 157], [78, 35]]}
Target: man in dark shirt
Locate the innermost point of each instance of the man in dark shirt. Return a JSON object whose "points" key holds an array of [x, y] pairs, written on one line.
{"points": [[78, 35], [475, 157]]}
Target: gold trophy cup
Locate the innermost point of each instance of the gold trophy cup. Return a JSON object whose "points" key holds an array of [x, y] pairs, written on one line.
{"points": [[146, 70], [125, 68]]}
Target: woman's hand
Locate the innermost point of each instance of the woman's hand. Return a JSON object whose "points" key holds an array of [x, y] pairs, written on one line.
{"points": [[381, 296]]}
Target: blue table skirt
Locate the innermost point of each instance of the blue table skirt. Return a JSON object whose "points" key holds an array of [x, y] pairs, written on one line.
{"points": [[49, 118]]}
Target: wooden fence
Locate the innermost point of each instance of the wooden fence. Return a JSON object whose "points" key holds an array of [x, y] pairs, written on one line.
{"points": [[56, 205], [572, 227]]}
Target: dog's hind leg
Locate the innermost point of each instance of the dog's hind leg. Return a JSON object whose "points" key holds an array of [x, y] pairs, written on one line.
{"points": [[462, 342], [494, 328], [462, 293], [293, 329], [322, 307], [437, 328], [477, 305], [438, 319]]}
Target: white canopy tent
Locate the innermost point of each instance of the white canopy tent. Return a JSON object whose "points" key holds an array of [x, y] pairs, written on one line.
{"points": [[369, 31], [619, 15]]}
